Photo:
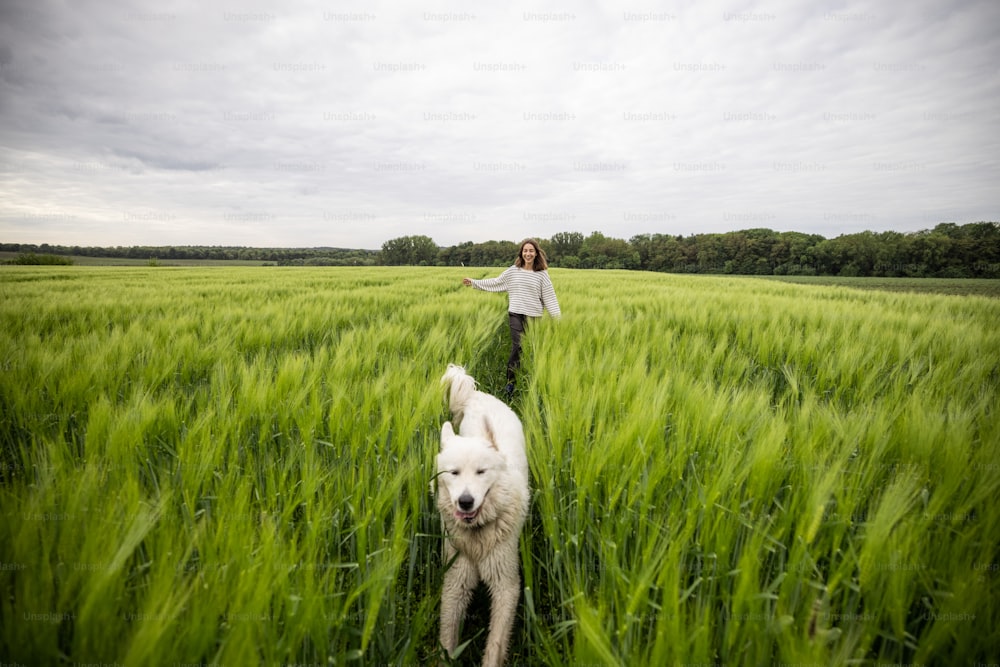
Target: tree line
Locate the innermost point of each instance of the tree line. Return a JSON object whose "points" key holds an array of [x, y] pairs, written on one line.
{"points": [[277, 256], [948, 250]]}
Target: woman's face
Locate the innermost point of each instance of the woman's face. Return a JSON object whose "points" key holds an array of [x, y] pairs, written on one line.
{"points": [[528, 254]]}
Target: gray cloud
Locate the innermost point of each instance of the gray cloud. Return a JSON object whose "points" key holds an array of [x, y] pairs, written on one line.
{"points": [[296, 125]]}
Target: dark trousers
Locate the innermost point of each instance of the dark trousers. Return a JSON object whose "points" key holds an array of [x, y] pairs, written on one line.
{"points": [[518, 325]]}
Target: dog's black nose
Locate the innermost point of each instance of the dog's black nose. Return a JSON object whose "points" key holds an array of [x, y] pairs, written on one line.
{"points": [[465, 502]]}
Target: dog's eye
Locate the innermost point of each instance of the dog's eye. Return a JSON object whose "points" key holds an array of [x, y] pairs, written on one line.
{"points": [[480, 471], [455, 473]]}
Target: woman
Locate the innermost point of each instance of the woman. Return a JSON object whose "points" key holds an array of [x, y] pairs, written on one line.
{"points": [[529, 291]]}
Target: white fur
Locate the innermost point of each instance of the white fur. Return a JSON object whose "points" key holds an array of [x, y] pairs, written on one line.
{"points": [[483, 496]]}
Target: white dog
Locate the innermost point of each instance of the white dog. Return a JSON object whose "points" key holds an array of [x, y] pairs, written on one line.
{"points": [[483, 496]]}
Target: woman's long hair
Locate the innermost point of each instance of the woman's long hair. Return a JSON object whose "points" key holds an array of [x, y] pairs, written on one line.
{"points": [[541, 263]]}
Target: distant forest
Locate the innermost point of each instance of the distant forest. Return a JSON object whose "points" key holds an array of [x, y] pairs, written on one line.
{"points": [[948, 250]]}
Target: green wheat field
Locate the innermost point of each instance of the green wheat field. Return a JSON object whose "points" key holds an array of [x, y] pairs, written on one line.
{"points": [[231, 466]]}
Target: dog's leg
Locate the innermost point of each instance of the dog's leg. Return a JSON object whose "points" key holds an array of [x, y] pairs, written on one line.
{"points": [[504, 582], [459, 582]]}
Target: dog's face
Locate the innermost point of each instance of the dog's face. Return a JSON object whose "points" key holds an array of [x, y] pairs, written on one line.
{"points": [[467, 469]]}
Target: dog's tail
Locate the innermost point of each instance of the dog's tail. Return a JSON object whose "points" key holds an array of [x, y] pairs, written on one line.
{"points": [[462, 388]]}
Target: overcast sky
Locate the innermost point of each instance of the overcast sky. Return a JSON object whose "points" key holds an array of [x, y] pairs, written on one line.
{"points": [[349, 124]]}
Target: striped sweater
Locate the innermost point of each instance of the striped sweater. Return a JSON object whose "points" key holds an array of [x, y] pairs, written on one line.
{"points": [[528, 291]]}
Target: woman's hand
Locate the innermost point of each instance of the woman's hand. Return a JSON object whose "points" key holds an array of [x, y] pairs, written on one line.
{"points": [[466, 281]]}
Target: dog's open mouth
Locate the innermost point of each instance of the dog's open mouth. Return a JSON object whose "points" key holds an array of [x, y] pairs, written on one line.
{"points": [[467, 517]]}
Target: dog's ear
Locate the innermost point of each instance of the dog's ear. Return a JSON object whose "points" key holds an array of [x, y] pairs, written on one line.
{"points": [[447, 433], [489, 433]]}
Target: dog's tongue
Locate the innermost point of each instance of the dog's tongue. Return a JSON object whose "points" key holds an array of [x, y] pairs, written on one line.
{"points": [[466, 516]]}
